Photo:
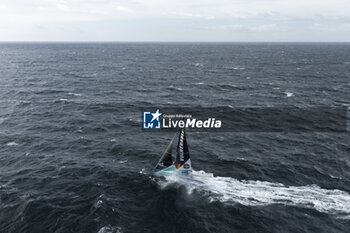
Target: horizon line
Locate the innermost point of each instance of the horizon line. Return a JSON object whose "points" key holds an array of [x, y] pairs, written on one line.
{"points": [[105, 41]]}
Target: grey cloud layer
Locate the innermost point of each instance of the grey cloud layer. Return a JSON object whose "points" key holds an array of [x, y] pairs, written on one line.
{"points": [[229, 20]]}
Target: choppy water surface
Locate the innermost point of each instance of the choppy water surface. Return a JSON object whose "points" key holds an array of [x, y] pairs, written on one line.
{"points": [[73, 157]]}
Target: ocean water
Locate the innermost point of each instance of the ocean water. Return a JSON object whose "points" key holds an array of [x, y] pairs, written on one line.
{"points": [[73, 157]]}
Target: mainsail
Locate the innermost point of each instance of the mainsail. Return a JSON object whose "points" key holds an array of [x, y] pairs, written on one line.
{"points": [[183, 155], [182, 164], [166, 160]]}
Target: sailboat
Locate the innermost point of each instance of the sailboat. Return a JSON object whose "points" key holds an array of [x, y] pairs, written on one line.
{"points": [[182, 164]]}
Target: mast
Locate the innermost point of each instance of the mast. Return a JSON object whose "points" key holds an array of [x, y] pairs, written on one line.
{"points": [[183, 155]]}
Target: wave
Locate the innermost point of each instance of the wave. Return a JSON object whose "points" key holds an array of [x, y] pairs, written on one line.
{"points": [[74, 94], [289, 94], [110, 229], [257, 193], [2, 119], [234, 68], [62, 100], [171, 87], [11, 144], [80, 75], [198, 64]]}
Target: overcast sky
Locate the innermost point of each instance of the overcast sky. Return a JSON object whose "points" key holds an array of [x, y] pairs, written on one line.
{"points": [[178, 20]]}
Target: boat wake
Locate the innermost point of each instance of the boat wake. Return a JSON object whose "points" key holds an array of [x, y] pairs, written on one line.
{"points": [[253, 193]]}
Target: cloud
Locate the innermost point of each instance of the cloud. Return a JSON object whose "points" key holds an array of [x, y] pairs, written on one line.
{"points": [[62, 5], [238, 9], [185, 15], [225, 18], [244, 28], [266, 27]]}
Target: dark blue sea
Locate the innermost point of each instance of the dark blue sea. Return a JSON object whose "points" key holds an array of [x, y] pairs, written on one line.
{"points": [[73, 157]]}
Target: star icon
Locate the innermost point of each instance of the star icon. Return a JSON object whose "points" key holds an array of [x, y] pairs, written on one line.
{"points": [[156, 115]]}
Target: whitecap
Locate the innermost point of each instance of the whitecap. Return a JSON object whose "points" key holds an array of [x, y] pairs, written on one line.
{"points": [[259, 193], [336, 177], [289, 94], [143, 171], [99, 203], [74, 94], [175, 88], [234, 68], [110, 229], [63, 100], [198, 64], [61, 168], [25, 102], [11, 144], [135, 120]]}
